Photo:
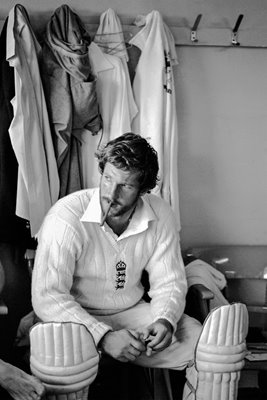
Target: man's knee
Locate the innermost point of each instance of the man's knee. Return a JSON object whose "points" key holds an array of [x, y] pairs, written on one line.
{"points": [[63, 356], [219, 355], [188, 331], [187, 335]]}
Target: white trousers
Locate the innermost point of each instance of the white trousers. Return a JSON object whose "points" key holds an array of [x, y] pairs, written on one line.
{"points": [[181, 351], [178, 356]]}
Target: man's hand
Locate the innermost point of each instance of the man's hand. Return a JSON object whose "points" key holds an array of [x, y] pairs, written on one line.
{"points": [[19, 384], [157, 336], [123, 345]]}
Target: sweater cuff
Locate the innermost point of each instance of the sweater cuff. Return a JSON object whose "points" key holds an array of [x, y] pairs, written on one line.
{"points": [[98, 331], [170, 320]]}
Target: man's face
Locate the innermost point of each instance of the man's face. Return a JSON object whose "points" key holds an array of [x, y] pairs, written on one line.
{"points": [[120, 187]]}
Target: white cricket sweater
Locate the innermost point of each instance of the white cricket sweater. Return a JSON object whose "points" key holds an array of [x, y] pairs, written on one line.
{"points": [[82, 269]]}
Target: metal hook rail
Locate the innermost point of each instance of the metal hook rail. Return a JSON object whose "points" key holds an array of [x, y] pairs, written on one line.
{"points": [[199, 36]]}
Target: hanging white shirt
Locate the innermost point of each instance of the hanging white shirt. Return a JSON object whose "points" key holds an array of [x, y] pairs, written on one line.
{"points": [[108, 59], [117, 108], [154, 94], [109, 35], [38, 182], [114, 92], [114, 85]]}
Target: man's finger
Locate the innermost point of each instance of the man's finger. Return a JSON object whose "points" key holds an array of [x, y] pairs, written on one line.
{"points": [[136, 341], [165, 342], [143, 333], [135, 352], [134, 333], [148, 351]]}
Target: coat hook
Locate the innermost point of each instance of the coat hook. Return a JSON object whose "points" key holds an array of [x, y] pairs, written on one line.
{"points": [[194, 29], [235, 30]]}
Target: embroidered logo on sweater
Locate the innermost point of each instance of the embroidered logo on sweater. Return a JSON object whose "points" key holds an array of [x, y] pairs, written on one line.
{"points": [[120, 275]]}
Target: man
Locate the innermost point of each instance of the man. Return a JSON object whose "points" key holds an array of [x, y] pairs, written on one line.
{"points": [[93, 248]]}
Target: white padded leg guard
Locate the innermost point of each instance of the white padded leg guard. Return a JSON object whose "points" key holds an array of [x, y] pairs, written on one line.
{"points": [[220, 352], [64, 358]]}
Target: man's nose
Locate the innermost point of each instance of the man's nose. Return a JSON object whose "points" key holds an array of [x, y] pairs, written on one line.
{"points": [[113, 191]]}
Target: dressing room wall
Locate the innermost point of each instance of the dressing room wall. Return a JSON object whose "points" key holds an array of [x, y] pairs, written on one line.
{"points": [[221, 93]]}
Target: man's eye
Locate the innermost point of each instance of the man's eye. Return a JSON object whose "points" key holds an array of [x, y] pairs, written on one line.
{"points": [[127, 187]]}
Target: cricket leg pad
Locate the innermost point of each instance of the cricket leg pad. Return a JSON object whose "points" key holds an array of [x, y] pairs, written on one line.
{"points": [[65, 359], [220, 352]]}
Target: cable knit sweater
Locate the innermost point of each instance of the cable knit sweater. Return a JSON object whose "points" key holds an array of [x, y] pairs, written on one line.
{"points": [[82, 269]]}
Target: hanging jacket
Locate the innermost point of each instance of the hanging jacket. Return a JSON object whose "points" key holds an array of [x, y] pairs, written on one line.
{"points": [[70, 90], [38, 183], [12, 228]]}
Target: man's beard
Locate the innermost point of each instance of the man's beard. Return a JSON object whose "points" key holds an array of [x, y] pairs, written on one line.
{"points": [[117, 209]]}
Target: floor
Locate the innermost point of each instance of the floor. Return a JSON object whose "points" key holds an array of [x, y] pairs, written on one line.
{"points": [[249, 381], [249, 388], [245, 393], [250, 394], [123, 389]]}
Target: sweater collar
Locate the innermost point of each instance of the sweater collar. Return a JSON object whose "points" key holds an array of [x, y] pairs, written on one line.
{"points": [[93, 211]]}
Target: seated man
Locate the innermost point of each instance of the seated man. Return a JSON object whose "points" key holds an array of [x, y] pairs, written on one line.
{"points": [[93, 247]]}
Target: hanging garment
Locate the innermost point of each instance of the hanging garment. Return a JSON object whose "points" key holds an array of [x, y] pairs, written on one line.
{"points": [[109, 35], [117, 107], [109, 60], [12, 228], [38, 183], [70, 91], [114, 92], [154, 93]]}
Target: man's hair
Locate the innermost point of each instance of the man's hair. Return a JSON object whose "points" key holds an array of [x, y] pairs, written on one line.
{"points": [[131, 152]]}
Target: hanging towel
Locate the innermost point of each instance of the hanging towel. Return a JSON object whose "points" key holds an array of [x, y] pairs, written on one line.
{"points": [[154, 93], [199, 271], [38, 182]]}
